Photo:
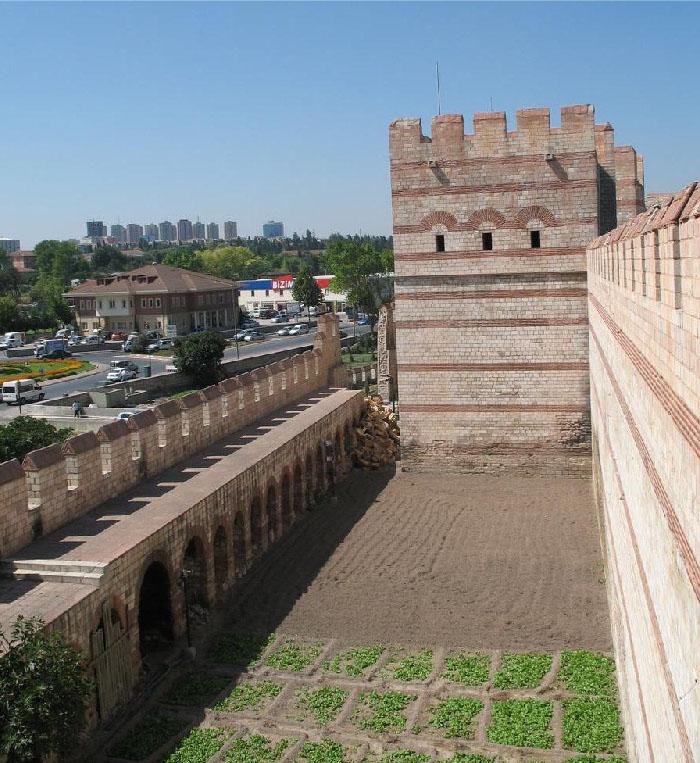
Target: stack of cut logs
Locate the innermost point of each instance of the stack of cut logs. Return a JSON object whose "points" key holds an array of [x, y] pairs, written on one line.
{"points": [[377, 436]]}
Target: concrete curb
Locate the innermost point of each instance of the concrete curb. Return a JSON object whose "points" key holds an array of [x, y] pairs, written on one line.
{"points": [[99, 368]]}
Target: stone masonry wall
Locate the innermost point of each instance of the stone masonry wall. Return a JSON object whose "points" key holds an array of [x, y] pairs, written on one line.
{"points": [[61, 482], [644, 309], [492, 344]]}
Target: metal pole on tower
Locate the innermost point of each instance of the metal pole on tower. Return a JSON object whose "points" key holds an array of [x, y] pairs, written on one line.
{"points": [[437, 79]]}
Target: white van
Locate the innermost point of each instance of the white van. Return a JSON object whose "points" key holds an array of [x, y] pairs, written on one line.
{"points": [[21, 391], [11, 339]]}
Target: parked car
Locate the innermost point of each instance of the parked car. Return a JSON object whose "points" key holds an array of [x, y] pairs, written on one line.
{"points": [[74, 341], [58, 354], [268, 313], [284, 331], [280, 318], [239, 336], [119, 363], [118, 336], [21, 391], [299, 328], [160, 344], [120, 375], [253, 336], [11, 339], [363, 321], [128, 346], [124, 415], [91, 340], [248, 323]]}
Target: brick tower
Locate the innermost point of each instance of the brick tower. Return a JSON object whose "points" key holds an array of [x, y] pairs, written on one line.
{"points": [[490, 232]]}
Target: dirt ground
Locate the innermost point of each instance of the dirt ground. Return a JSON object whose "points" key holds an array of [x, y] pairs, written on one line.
{"points": [[472, 561]]}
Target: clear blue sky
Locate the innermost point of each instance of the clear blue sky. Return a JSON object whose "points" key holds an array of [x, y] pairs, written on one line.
{"points": [[256, 111]]}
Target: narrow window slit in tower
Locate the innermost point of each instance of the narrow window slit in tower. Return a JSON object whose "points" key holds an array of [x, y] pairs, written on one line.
{"points": [[487, 241], [439, 243], [534, 239]]}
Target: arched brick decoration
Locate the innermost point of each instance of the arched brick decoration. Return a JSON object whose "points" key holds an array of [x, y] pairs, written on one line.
{"points": [[220, 561], [298, 491], [487, 215], [273, 528], [439, 218], [240, 555], [194, 566], [257, 524], [320, 472], [534, 213], [310, 492], [155, 607], [286, 509]]}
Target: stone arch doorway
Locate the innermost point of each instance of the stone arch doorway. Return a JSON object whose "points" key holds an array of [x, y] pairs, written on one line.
{"points": [[155, 609], [220, 561], [273, 529], [286, 498], [256, 524], [194, 570], [240, 557], [320, 477], [298, 491]]}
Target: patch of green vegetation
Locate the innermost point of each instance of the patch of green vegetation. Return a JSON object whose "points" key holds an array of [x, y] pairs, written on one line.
{"points": [[146, 737], [405, 756], [256, 749], [455, 716], [587, 673], [383, 711], [198, 746], [522, 671], [293, 655], [249, 696], [595, 759], [467, 669], [591, 725], [325, 751], [240, 649], [416, 666], [324, 703], [195, 688], [353, 662], [522, 723], [470, 757]]}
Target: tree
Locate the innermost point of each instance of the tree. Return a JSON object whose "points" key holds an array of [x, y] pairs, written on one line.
{"points": [[306, 291], [60, 259], [108, 258], [43, 692], [199, 356], [183, 257], [8, 313], [232, 262], [25, 433], [9, 277]]}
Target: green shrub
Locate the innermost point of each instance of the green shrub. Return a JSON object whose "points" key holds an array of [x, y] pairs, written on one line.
{"points": [[591, 725], [198, 746], [324, 703], [587, 673], [384, 710], [353, 662], [293, 655], [522, 671], [467, 669], [249, 695], [256, 749], [522, 723], [455, 716]]}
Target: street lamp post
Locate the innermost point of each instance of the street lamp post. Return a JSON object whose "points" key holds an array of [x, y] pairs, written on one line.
{"points": [[235, 317]]}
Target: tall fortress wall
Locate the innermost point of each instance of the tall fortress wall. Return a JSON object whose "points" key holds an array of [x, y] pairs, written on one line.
{"points": [[490, 232], [644, 312]]}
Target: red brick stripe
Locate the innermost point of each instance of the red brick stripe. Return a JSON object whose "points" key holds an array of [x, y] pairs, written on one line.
{"points": [[491, 408], [686, 421], [493, 366], [490, 322], [422, 227], [689, 561], [480, 254], [495, 188], [506, 161], [656, 629], [494, 294]]}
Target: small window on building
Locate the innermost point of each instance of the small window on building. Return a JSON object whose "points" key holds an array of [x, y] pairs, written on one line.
{"points": [[534, 239], [487, 241], [150, 303], [143, 303], [158, 303], [439, 243]]}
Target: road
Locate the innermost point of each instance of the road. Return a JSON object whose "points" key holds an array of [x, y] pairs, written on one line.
{"points": [[158, 363]]}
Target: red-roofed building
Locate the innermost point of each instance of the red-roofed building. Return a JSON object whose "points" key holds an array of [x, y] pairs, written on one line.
{"points": [[154, 297]]}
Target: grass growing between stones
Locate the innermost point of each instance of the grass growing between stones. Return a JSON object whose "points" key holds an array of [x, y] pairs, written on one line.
{"points": [[470, 757], [416, 666], [595, 759], [198, 746], [324, 704], [354, 662], [195, 689], [522, 723], [293, 655], [383, 711], [257, 749], [404, 756], [587, 673], [325, 751], [467, 669], [522, 671], [591, 725], [239, 649], [249, 696], [455, 716], [146, 737]]}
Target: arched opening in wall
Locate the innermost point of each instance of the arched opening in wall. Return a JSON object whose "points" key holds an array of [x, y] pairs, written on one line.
{"points": [[256, 524], [320, 481], [194, 573], [220, 562], [155, 610], [347, 442], [309, 480], [298, 491], [110, 655], [273, 530], [287, 511], [240, 561], [339, 455]]}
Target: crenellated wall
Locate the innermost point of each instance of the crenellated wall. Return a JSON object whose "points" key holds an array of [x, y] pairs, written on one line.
{"points": [[491, 343], [644, 311], [56, 484]]}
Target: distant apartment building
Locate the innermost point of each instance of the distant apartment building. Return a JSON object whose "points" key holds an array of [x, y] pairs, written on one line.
{"points": [[199, 232], [230, 230], [154, 298], [167, 231], [9, 245], [184, 230], [134, 233], [276, 293], [150, 232], [272, 229], [212, 232], [118, 233], [96, 229]]}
